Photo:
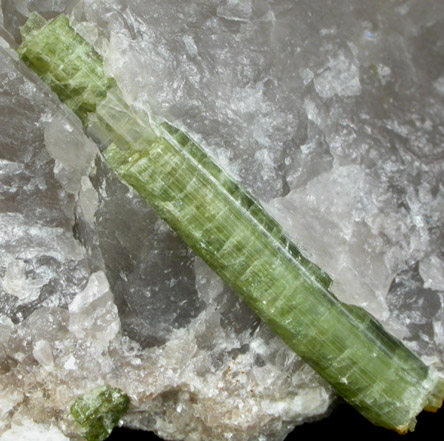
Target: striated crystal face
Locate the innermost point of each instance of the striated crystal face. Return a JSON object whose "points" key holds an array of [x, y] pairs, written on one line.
{"points": [[333, 121]]}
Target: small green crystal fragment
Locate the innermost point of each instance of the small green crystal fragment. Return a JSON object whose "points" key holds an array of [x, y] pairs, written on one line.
{"points": [[99, 411]]}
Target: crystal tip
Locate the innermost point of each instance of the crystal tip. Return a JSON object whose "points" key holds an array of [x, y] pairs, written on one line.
{"points": [[34, 23]]}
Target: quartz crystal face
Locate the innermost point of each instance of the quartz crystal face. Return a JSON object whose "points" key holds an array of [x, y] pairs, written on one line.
{"points": [[333, 121]]}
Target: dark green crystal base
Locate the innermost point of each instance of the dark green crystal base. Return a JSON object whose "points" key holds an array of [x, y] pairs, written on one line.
{"points": [[99, 411]]}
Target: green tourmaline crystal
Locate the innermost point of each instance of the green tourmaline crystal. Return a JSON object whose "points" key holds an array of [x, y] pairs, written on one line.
{"points": [[99, 411], [231, 231]]}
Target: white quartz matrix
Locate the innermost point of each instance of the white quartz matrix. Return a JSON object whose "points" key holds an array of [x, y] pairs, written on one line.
{"points": [[330, 112]]}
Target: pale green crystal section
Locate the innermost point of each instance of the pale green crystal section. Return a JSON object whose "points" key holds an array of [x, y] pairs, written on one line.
{"points": [[231, 231], [77, 78]]}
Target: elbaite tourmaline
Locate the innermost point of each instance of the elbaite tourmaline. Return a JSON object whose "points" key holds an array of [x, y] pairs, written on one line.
{"points": [[99, 411], [230, 230]]}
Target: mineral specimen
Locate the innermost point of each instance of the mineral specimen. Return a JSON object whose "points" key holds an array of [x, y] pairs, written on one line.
{"points": [[226, 227], [265, 85]]}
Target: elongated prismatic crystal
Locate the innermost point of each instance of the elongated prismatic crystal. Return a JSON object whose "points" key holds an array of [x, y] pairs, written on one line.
{"points": [[230, 230]]}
